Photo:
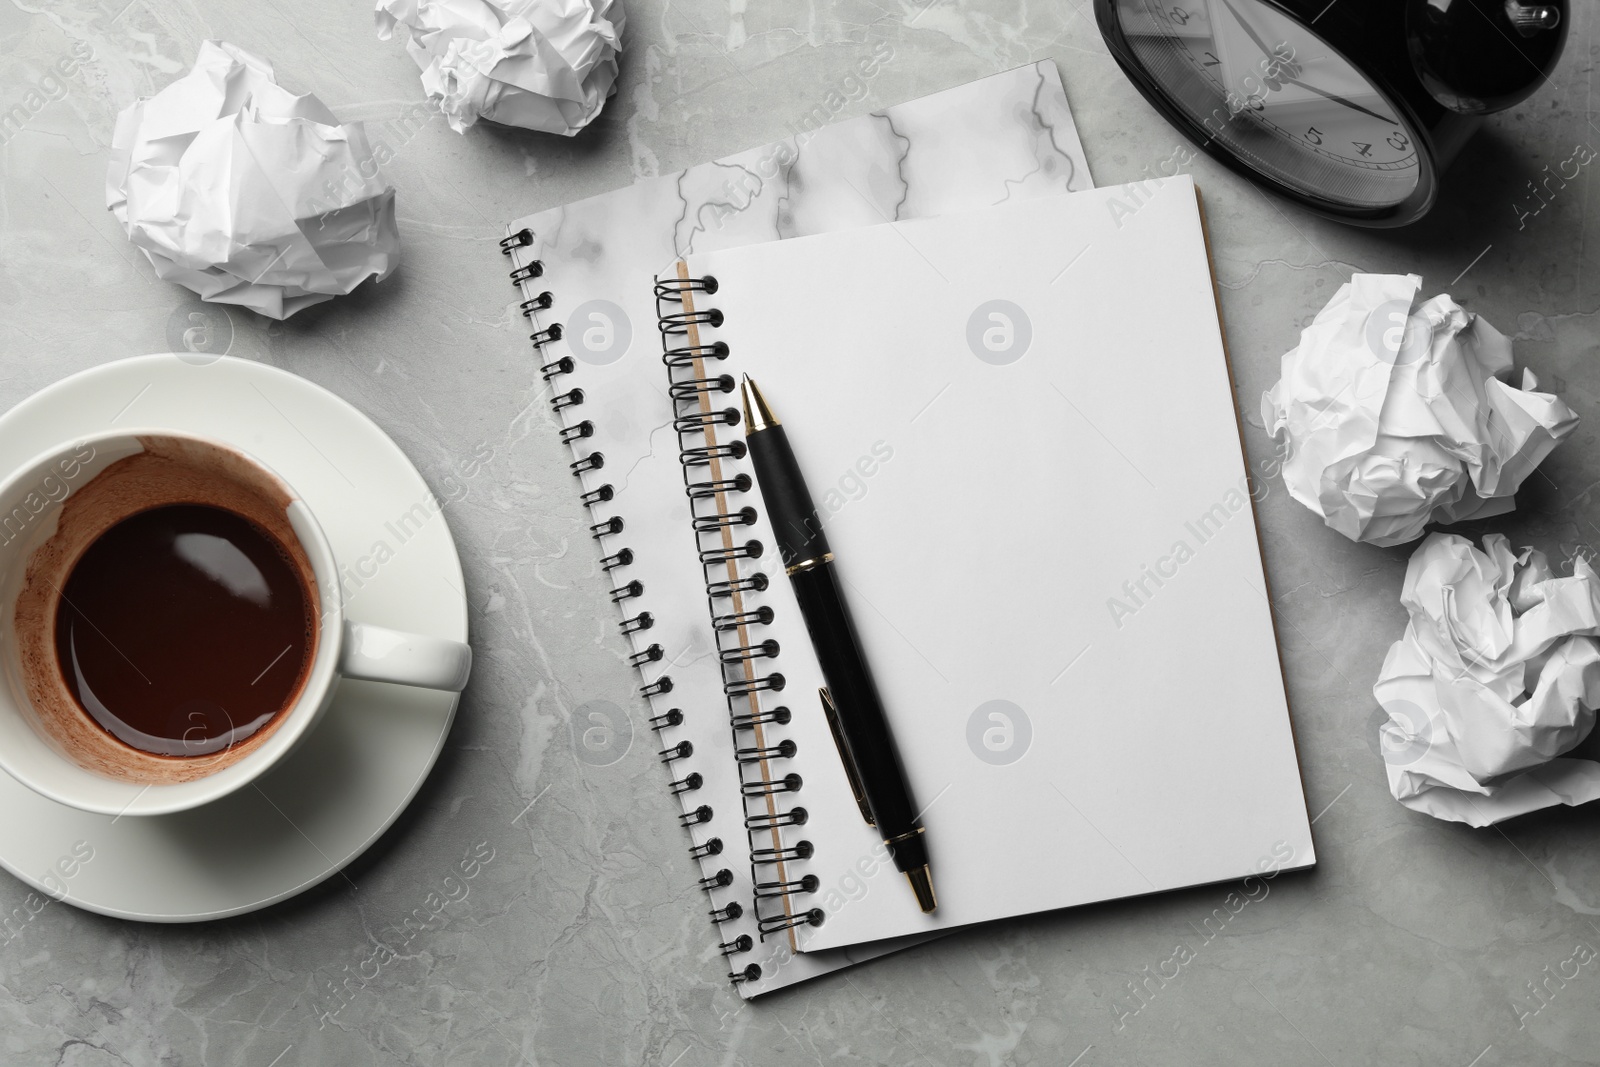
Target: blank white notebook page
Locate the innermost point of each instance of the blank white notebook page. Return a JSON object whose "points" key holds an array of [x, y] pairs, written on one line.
{"points": [[1020, 432]]}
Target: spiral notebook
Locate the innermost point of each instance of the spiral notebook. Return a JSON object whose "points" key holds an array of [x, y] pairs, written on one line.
{"points": [[586, 274], [1019, 427]]}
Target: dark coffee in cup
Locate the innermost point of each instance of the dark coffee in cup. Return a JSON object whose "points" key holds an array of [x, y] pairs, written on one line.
{"points": [[183, 630], [171, 619]]}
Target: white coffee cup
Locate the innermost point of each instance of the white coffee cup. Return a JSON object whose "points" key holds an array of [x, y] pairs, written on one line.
{"points": [[49, 514]]}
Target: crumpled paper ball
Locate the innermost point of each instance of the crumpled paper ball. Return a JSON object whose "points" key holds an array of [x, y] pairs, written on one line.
{"points": [[1497, 675], [540, 64], [1397, 415], [248, 194]]}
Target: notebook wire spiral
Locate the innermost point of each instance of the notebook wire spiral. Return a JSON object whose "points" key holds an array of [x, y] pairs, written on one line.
{"points": [[707, 424], [742, 651]]}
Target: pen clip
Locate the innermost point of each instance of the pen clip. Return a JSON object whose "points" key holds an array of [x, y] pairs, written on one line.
{"points": [[851, 772]]}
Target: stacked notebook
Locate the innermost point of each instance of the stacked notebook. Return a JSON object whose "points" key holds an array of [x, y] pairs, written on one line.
{"points": [[1010, 396]]}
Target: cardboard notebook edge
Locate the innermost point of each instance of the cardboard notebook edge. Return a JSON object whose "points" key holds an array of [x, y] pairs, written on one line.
{"points": [[1255, 517]]}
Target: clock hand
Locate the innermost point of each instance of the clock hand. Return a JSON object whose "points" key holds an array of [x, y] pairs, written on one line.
{"points": [[1338, 99], [1254, 36], [1270, 54]]}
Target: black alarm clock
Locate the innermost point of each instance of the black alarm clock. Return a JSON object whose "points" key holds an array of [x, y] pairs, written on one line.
{"points": [[1352, 108]]}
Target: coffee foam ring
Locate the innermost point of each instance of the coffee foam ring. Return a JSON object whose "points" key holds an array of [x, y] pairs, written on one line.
{"points": [[170, 470]]}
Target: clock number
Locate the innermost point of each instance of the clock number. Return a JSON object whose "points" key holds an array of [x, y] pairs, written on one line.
{"points": [[1398, 141], [1237, 103], [1364, 149], [1211, 60], [1179, 15], [1313, 135]]}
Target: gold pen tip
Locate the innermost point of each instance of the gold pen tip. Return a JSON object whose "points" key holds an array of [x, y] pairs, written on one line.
{"points": [[921, 881], [757, 416]]}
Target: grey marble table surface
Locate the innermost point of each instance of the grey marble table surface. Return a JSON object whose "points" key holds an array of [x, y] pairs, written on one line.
{"points": [[583, 942]]}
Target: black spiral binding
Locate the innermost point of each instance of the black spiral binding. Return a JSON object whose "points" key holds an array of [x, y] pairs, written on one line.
{"points": [[576, 432], [707, 427]]}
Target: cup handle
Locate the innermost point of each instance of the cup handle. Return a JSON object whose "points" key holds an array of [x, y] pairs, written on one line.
{"points": [[378, 654]]}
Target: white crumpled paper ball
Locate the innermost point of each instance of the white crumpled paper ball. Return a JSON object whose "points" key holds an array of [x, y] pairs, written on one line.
{"points": [[1497, 676], [248, 194], [1396, 414], [540, 64]]}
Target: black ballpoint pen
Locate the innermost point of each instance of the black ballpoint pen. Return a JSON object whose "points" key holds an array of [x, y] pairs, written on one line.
{"points": [[851, 701]]}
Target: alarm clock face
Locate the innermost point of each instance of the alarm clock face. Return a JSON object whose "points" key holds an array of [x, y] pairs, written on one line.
{"points": [[1274, 94]]}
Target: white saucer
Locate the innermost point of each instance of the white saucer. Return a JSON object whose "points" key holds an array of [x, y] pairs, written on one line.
{"points": [[364, 762]]}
